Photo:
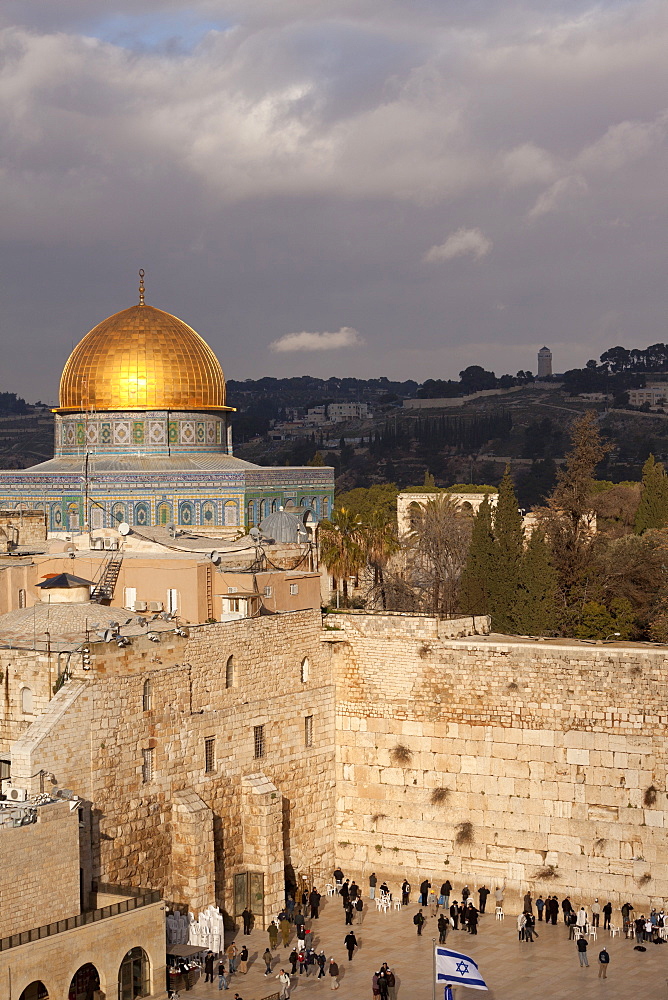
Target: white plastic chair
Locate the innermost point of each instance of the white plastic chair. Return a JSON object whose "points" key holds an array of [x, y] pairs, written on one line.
{"points": [[499, 913], [397, 904], [330, 889], [614, 931]]}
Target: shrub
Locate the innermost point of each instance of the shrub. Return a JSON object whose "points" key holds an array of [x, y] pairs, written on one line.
{"points": [[401, 754]]}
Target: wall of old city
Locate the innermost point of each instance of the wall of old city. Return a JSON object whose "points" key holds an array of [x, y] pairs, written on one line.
{"points": [[32, 892], [26, 686], [55, 960], [141, 828], [496, 760]]}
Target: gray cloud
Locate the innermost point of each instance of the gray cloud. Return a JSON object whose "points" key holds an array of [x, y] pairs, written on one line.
{"points": [[462, 243], [278, 167], [304, 341]]}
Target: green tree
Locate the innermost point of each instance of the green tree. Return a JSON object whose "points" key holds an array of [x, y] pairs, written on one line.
{"points": [[653, 507], [340, 547], [507, 550], [366, 502], [317, 461], [474, 587], [429, 484], [569, 517], [538, 599], [598, 621], [378, 539], [438, 544]]}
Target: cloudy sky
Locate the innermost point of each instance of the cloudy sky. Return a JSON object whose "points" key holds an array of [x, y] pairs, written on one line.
{"points": [[335, 187]]}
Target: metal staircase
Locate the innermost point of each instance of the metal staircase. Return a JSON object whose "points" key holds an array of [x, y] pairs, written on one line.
{"points": [[105, 584]]}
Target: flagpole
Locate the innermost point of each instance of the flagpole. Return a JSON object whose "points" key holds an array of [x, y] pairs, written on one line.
{"points": [[433, 962]]}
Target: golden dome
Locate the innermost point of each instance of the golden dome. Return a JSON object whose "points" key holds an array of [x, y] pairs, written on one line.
{"points": [[142, 359]]}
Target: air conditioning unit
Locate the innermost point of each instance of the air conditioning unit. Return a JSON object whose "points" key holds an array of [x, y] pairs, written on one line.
{"points": [[111, 543], [155, 606], [140, 606], [17, 794], [5, 785], [98, 544]]}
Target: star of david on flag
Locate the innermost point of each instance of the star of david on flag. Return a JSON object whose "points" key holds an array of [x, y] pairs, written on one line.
{"points": [[457, 969]]}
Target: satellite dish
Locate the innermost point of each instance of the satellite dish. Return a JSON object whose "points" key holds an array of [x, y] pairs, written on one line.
{"points": [[214, 557], [124, 528], [254, 532]]}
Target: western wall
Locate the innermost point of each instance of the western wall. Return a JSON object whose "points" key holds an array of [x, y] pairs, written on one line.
{"points": [[500, 760]]}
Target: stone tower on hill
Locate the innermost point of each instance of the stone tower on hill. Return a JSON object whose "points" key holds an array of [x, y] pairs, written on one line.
{"points": [[544, 362]]}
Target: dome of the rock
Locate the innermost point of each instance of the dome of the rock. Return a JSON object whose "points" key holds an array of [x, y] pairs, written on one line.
{"points": [[142, 359]]}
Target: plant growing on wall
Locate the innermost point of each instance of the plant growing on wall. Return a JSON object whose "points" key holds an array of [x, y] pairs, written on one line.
{"points": [[644, 879], [649, 798], [464, 834], [377, 816], [439, 796], [401, 755], [545, 873]]}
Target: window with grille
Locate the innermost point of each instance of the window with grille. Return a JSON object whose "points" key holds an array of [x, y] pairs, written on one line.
{"points": [[210, 754], [294, 589], [172, 600], [147, 765], [258, 741], [268, 591], [22, 598], [229, 672], [147, 697], [308, 731]]}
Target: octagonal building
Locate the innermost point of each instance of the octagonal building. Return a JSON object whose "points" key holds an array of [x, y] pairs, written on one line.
{"points": [[143, 436]]}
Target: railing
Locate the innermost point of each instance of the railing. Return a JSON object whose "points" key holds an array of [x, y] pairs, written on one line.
{"points": [[138, 898]]}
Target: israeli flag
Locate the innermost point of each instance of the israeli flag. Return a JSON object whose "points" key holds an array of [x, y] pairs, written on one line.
{"points": [[457, 969]]}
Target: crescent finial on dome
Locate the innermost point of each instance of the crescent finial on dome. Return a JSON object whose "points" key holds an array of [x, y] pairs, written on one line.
{"points": [[141, 286]]}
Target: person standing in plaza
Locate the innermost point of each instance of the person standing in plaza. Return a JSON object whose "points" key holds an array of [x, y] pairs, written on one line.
{"points": [[391, 985], [418, 920], [334, 974], [350, 942], [293, 959], [373, 882], [595, 913], [607, 915], [603, 963], [442, 928], [472, 919], [284, 980], [582, 951], [425, 886], [483, 893], [566, 908], [222, 978], [272, 931], [338, 879], [349, 911], [454, 913], [359, 909], [344, 892], [446, 889], [314, 902], [208, 967], [243, 960], [268, 959], [405, 892], [466, 892], [247, 918], [540, 906], [498, 896], [232, 957], [554, 910], [375, 988], [284, 927], [354, 891], [528, 902], [322, 962], [581, 921], [529, 927]]}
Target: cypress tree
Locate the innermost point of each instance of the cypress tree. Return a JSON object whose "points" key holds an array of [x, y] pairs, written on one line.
{"points": [[474, 586], [507, 551], [653, 507], [538, 604]]}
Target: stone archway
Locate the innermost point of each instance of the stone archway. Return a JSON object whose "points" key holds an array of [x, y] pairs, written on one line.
{"points": [[84, 983], [35, 991], [134, 975]]}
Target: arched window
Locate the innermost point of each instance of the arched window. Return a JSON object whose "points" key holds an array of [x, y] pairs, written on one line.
{"points": [[142, 514], [84, 982], [231, 513], [263, 509], [414, 515], [72, 516], [274, 506], [147, 696], [304, 670], [250, 514], [26, 701], [164, 513], [325, 506], [229, 672], [56, 518], [118, 514], [186, 512], [208, 513], [96, 517], [134, 975], [35, 991]]}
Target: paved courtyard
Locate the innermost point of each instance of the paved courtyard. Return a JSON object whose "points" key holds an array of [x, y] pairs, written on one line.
{"points": [[512, 970]]}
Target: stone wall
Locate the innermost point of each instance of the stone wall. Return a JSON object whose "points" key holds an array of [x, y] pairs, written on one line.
{"points": [[134, 821], [32, 891], [55, 960], [490, 760]]}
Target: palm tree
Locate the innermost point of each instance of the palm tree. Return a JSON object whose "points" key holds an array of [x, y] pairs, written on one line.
{"points": [[379, 541], [341, 547]]}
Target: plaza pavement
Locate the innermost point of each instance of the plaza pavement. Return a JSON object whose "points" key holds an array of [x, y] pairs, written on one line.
{"points": [[513, 971]]}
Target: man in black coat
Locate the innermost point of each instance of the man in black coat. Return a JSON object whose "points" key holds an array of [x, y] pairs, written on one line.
{"points": [[418, 920], [314, 901], [472, 919], [483, 893], [208, 967], [424, 891], [247, 918], [454, 913], [350, 942]]}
